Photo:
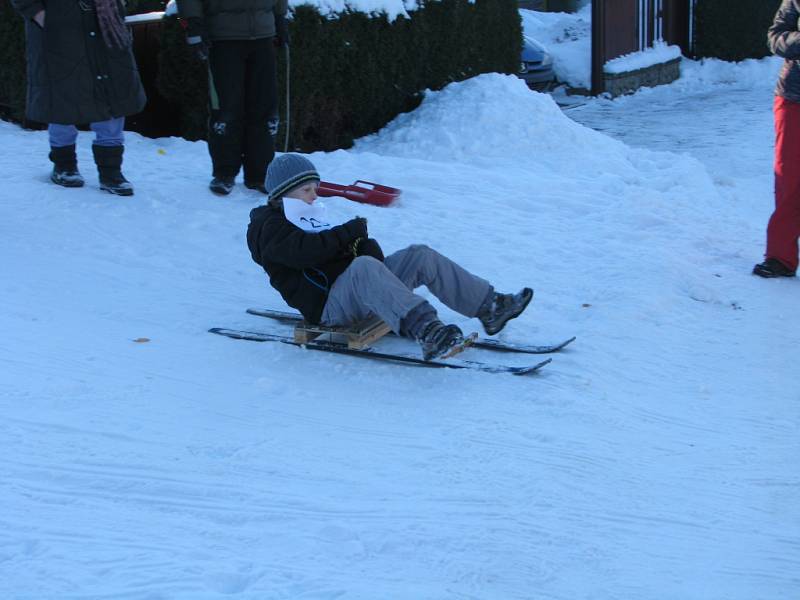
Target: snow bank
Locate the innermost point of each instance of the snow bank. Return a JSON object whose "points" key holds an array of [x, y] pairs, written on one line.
{"points": [[568, 39]]}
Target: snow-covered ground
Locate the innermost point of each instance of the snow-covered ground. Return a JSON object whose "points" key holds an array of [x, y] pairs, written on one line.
{"points": [[654, 460]]}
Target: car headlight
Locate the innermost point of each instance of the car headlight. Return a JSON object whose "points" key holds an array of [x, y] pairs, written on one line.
{"points": [[547, 60]]}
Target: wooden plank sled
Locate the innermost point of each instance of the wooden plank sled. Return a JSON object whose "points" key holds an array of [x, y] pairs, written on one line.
{"points": [[359, 336]]}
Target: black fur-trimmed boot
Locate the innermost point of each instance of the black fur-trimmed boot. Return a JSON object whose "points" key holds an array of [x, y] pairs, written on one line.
{"points": [[109, 167], [65, 167]]}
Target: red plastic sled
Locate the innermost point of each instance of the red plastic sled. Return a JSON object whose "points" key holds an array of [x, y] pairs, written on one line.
{"points": [[365, 192]]}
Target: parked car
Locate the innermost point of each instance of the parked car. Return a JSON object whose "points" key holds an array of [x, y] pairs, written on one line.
{"points": [[536, 66]]}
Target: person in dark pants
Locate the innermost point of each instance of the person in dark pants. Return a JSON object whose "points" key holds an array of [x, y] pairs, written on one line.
{"points": [[238, 38], [81, 69], [783, 229]]}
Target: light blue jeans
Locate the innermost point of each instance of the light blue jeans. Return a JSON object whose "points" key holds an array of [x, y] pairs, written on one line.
{"points": [[107, 133]]}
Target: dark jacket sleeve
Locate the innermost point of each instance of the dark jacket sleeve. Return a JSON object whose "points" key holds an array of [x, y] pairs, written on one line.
{"points": [[783, 38], [27, 8], [294, 248]]}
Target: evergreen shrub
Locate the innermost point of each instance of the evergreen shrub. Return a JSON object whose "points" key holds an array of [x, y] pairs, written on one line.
{"points": [[733, 30]]}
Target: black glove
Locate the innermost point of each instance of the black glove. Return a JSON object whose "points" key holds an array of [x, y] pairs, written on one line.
{"points": [[367, 247], [357, 228], [281, 31], [196, 38]]}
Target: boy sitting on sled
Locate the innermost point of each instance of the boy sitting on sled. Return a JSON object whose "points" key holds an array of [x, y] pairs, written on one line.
{"points": [[336, 275]]}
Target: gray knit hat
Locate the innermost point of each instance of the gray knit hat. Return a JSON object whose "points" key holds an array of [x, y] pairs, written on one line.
{"points": [[288, 171]]}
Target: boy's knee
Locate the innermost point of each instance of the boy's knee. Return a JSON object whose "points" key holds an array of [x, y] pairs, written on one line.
{"points": [[366, 263], [419, 249]]}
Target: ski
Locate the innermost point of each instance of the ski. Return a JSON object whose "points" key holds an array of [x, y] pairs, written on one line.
{"points": [[338, 348], [484, 343]]}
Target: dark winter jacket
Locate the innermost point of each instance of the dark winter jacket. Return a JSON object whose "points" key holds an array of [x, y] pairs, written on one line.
{"points": [[301, 266], [234, 19], [73, 76], [784, 40]]}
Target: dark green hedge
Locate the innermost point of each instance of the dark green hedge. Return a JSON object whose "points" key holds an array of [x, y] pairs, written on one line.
{"points": [[733, 30], [350, 75]]}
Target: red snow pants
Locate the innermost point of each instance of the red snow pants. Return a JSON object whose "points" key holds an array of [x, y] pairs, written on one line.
{"points": [[784, 225]]}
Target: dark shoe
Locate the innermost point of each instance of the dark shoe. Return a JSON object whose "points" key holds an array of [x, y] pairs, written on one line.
{"points": [[65, 167], [255, 185], [70, 179], [109, 167], [502, 308], [438, 339], [772, 267], [222, 186], [117, 186]]}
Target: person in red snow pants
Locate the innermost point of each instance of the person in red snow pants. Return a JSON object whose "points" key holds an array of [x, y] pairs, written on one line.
{"points": [[784, 225], [783, 229]]}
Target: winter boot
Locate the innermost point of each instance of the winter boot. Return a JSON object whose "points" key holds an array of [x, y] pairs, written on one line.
{"points": [[772, 267], [499, 309], [257, 186], [437, 339], [222, 186], [65, 167], [109, 166]]}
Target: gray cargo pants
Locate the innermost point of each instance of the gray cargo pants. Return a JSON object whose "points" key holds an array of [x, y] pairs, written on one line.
{"points": [[371, 287]]}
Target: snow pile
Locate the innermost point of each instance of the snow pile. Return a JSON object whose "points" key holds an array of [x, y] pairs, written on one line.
{"points": [[494, 121], [659, 53], [567, 37]]}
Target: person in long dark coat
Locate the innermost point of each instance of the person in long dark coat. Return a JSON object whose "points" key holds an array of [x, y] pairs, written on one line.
{"points": [[81, 70]]}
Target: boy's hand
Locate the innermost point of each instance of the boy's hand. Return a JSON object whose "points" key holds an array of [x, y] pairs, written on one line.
{"points": [[368, 247], [357, 228], [38, 18], [200, 50]]}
